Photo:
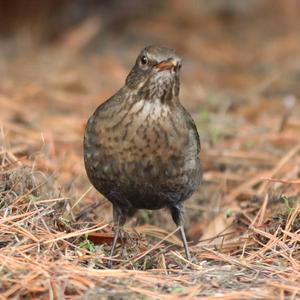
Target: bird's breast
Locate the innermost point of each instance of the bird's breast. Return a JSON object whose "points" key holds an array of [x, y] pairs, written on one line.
{"points": [[148, 142], [150, 130]]}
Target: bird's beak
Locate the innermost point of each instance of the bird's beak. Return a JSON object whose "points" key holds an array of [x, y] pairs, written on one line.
{"points": [[166, 64]]}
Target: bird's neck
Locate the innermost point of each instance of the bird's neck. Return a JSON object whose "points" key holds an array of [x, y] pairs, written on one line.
{"points": [[164, 94]]}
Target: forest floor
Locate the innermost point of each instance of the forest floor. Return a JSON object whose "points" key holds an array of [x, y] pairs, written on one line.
{"points": [[241, 84]]}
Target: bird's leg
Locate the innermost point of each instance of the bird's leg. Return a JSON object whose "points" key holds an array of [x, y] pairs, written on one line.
{"points": [[177, 215], [118, 220], [186, 247], [116, 235]]}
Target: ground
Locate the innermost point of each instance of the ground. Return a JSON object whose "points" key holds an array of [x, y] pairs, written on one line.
{"points": [[240, 81]]}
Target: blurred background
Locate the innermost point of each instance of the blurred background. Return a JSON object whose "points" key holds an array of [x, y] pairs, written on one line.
{"points": [[59, 59]]}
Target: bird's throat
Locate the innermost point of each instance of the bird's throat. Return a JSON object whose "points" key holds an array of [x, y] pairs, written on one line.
{"points": [[162, 86]]}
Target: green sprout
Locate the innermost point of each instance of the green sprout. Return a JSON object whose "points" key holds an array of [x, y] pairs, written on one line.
{"points": [[178, 289], [249, 144], [227, 212], [32, 198], [147, 215], [87, 244], [287, 202]]}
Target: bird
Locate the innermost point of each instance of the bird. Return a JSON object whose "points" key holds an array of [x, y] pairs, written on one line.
{"points": [[141, 146]]}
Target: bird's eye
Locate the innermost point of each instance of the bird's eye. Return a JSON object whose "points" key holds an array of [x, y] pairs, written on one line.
{"points": [[144, 60]]}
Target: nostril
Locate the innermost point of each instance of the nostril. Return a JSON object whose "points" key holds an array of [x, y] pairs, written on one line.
{"points": [[178, 66]]}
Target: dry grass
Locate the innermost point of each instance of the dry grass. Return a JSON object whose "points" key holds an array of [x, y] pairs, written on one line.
{"points": [[44, 255], [244, 223]]}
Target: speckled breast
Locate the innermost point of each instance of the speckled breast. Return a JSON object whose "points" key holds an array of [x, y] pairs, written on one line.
{"points": [[146, 152]]}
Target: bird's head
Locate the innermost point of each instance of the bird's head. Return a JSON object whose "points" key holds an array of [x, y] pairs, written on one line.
{"points": [[155, 74]]}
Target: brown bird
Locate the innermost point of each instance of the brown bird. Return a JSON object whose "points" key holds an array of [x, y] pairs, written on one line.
{"points": [[141, 147]]}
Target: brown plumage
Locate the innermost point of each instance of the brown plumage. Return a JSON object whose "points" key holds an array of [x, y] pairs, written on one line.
{"points": [[141, 147]]}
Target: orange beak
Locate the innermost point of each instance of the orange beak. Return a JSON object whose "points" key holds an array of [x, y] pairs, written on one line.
{"points": [[166, 65]]}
